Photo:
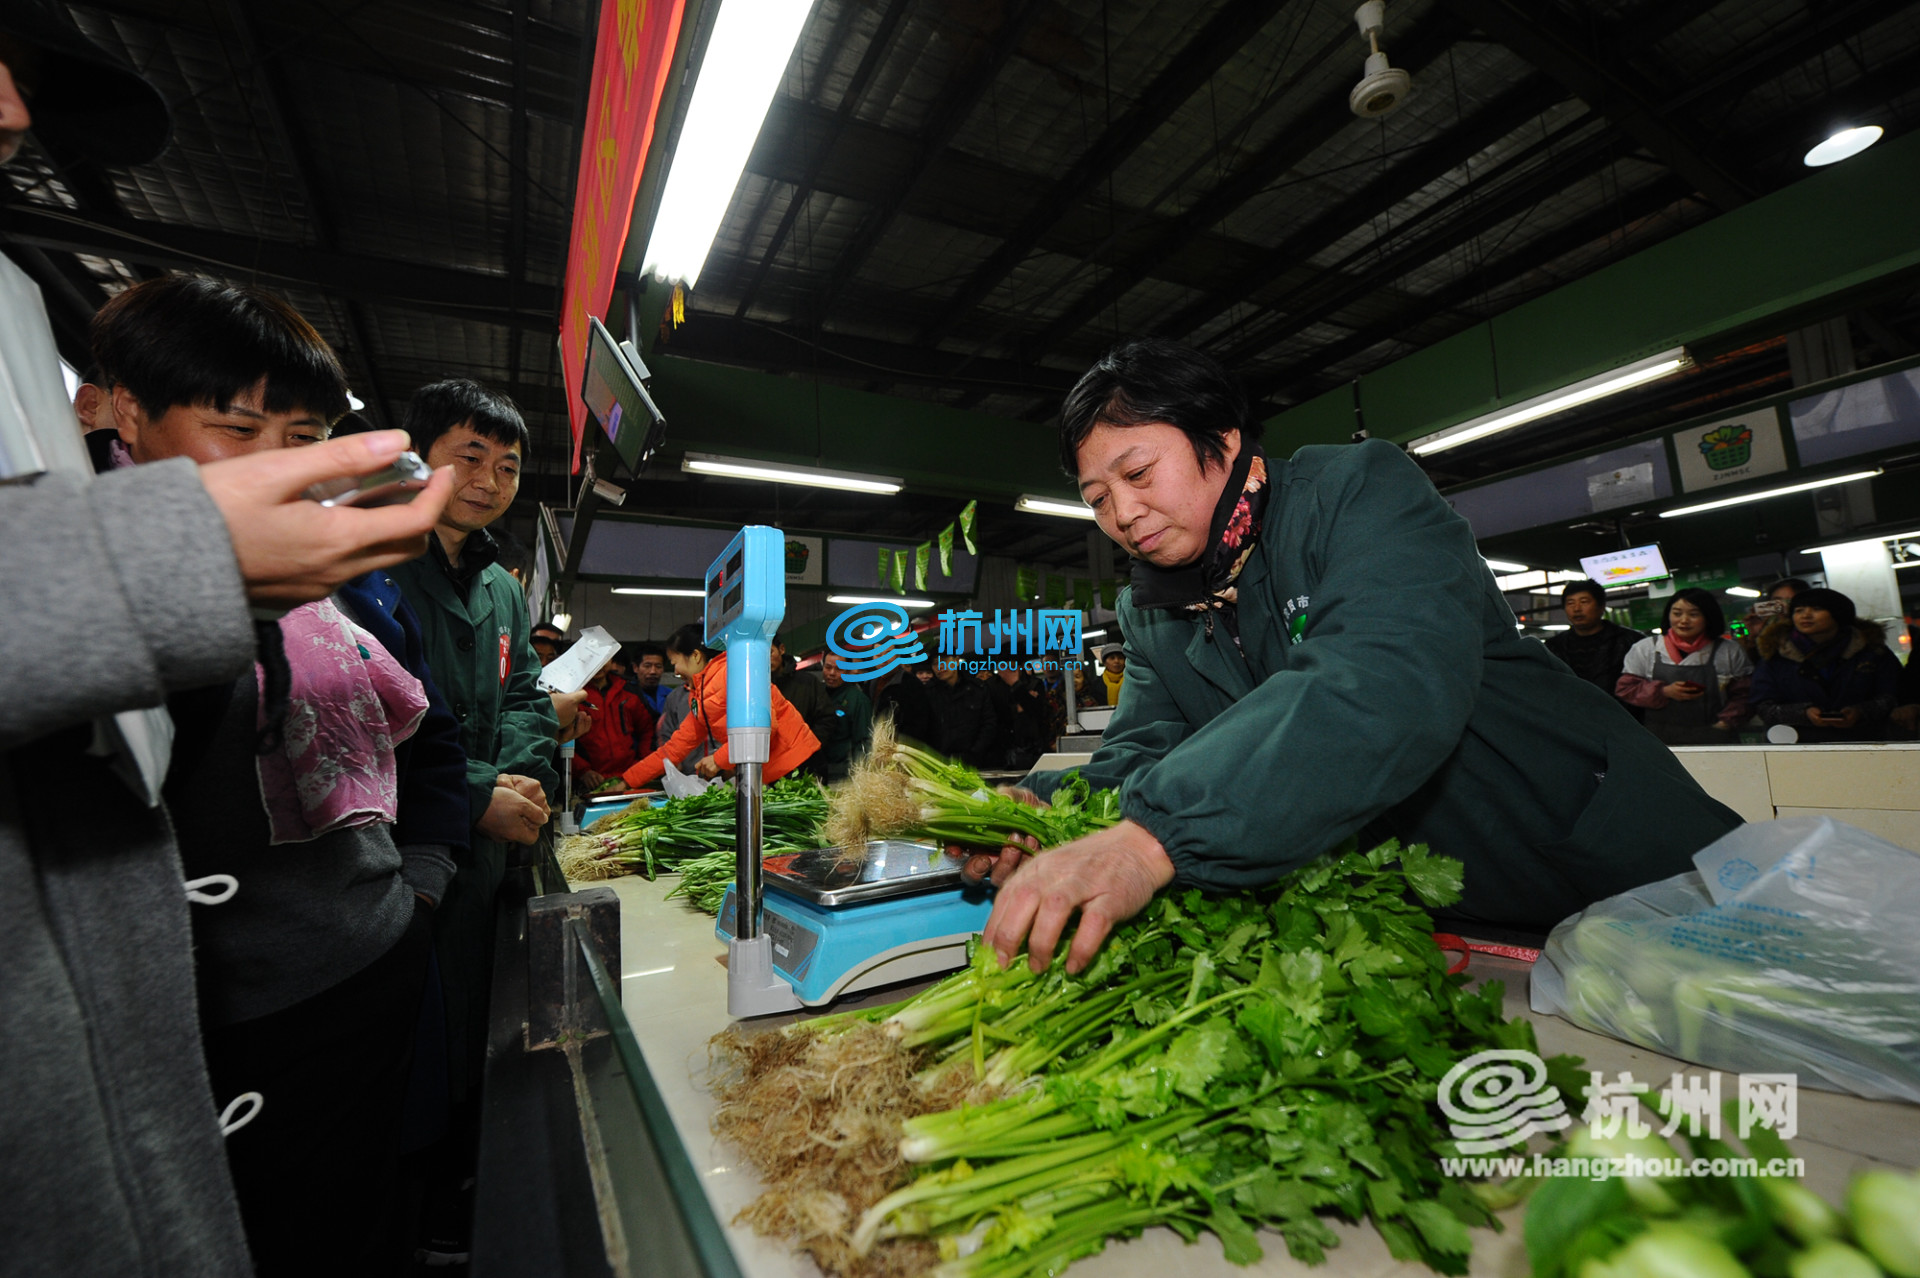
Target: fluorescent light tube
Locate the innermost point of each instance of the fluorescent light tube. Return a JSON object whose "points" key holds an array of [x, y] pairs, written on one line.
{"points": [[1555, 626], [1905, 536], [1809, 486], [812, 477], [674, 592], [1096, 634], [863, 599], [561, 620], [746, 56], [1502, 565], [1586, 391], [1053, 506], [1743, 592], [1906, 563], [1843, 145]]}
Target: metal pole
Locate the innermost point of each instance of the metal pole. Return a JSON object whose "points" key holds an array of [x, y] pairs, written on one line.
{"points": [[1073, 703], [746, 862]]}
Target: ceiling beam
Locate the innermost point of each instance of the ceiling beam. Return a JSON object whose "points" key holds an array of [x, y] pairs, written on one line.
{"points": [[1541, 36], [822, 147], [1316, 127], [387, 281], [942, 125], [1197, 63]]}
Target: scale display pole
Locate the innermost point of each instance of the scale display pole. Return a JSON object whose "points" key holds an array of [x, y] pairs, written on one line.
{"points": [[746, 598]]}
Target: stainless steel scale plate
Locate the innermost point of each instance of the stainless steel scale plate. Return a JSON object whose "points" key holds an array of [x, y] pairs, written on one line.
{"points": [[888, 868]]}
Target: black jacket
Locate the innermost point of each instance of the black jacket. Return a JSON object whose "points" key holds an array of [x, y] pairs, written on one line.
{"points": [[967, 725], [911, 708], [1597, 658], [1023, 713]]}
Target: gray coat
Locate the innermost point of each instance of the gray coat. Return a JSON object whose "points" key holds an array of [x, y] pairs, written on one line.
{"points": [[116, 592]]}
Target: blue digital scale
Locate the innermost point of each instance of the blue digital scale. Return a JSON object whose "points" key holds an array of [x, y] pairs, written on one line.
{"points": [[836, 921]]}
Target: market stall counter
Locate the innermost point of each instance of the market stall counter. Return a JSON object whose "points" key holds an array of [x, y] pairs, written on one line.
{"points": [[673, 989]]}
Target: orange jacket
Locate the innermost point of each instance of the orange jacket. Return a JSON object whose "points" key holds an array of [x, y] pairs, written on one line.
{"points": [[793, 742]]}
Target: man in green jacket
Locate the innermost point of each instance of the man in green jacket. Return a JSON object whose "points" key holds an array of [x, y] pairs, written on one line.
{"points": [[474, 618], [1315, 648]]}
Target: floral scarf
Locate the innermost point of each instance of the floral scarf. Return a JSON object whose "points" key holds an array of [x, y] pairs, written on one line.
{"points": [[1210, 585]]}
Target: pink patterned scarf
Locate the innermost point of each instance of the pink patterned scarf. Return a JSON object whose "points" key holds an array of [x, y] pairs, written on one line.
{"points": [[349, 705]]}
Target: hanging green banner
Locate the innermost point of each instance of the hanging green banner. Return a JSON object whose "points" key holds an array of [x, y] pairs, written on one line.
{"points": [[1109, 591], [966, 525], [922, 556], [1026, 582], [946, 551], [1056, 590], [1083, 593], [885, 569], [900, 571]]}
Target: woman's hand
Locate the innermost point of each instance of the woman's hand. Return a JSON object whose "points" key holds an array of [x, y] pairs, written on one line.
{"points": [[1106, 878], [1681, 690], [294, 551], [707, 769]]}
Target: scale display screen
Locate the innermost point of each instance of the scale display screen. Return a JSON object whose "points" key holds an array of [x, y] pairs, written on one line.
{"points": [[726, 593], [1626, 567], [888, 867], [615, 395]]}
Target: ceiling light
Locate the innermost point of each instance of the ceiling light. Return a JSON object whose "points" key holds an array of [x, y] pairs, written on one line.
{"points": [[1599, 386], [812, 477], [1555, 626], [1814, 550], [1906, 563], [887, 599], [1743, 592], [1053, 506], [1809, 486], [354, 402], [1502, 565], [746, 56], [1842, 145], [1095, 634], [674, 592], [561, 620]]}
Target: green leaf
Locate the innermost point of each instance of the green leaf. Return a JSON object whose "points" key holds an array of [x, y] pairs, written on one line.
{"points": [[1440, 1228], [1196, 1057], [1436, 880], [1241, 1245], [1561, 1209]]}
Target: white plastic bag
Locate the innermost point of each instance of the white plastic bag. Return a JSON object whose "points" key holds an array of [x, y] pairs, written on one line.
{"points": [[1794, 947], [678, 784]]}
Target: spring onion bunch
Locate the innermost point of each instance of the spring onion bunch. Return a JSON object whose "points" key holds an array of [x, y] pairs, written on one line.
{"points": [[1225, 1065], [704, 881], [647, 840], [900, 790]]}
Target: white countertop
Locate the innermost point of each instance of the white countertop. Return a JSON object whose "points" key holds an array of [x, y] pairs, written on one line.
{"points": [[674, 991]]}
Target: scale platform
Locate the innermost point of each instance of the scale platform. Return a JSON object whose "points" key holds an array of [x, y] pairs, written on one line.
{"points": [[842, 922]]}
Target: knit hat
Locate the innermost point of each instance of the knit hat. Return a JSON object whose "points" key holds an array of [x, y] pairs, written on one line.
{"points": [[1832, 600]]}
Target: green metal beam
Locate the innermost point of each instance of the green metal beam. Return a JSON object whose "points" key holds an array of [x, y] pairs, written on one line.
{"points": [[1787, 259]]}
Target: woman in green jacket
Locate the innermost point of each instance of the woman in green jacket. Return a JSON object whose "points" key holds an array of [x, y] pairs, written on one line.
{"points": [[1316, 649]]}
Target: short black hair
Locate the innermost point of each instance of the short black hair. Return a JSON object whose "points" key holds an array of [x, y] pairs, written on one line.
{"points": [[1800, 586], [1587, 587], [1705, 602], [558, 633], [1151, 379], [186, 339], [689, 639], [438, 407], [648, 649]]}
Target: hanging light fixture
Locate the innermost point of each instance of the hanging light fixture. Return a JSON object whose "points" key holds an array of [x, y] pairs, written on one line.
{"points": [[1843, 144]]}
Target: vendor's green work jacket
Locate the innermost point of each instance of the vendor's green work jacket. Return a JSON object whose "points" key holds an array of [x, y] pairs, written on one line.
{"points": [[476, 642], [1382, 677]]}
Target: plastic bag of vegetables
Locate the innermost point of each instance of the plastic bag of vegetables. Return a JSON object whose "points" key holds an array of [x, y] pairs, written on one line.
{"points": [[1789, 949]]}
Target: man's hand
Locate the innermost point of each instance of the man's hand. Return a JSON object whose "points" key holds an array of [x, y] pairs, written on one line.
{"points": [[294, 551], [527, 788], [512, 817], [590, 780], [1107, 877], [1681, 690], [570, 708], [999, 866], [707, 769], [1846, 718]]}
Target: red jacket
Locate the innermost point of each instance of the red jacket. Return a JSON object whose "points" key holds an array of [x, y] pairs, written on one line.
{"points": [[793, 741], [622, 731]]}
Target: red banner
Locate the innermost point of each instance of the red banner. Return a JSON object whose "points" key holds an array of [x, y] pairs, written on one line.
{"points": [[630, 59]]}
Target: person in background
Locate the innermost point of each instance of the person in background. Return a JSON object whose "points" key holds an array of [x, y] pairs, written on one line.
{"points": [[1905, 716], [923, 674], [807, 693], [621, 731], [968, 728], [1593, 647], [703, 734], [1774, 604], [474, 618], [290, 786], [548, 641], [1826, 672], [849, 721], [1021, 718], [649, 664], [903, 696], [1690, 681], [1113, 672]]}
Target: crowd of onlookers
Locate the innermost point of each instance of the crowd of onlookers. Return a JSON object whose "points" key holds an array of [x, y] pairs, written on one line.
{"points": [[1801, 660], [994, 720]]}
